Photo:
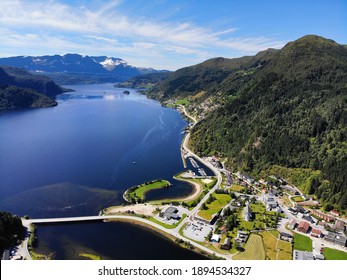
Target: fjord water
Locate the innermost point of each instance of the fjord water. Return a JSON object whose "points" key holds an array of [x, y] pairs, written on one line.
{"points": [[78, 157]]}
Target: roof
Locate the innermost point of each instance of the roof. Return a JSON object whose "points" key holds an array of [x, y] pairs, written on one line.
{"points": [[319, 257], [335, 212], [339, 224], [304, 225], [316, 231], [286, 234], [226, 241], [215, 237], [171, 210], [302, 255], [334, 237]]}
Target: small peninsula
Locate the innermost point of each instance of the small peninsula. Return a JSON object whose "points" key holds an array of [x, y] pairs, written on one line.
{"points": [[137, 194]]}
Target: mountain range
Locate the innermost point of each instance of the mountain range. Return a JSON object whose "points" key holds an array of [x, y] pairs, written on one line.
{"points": [[77, 69], [280, 112]]}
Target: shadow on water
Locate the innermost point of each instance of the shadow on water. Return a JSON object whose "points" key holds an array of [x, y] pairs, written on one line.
{"points": [[119, 241]]}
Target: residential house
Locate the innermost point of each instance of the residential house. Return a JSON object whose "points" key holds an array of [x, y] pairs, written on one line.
{"points": [[303, 227], [292, 223], [269, 201], [339, 225], [315, 232], [245, 177], [242, 236], [301, 209], [226, 244], [308, 218], [286, 237]]}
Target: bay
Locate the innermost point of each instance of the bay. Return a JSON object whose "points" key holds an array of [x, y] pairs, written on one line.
{"points": [[54, 161], [79, 157]]}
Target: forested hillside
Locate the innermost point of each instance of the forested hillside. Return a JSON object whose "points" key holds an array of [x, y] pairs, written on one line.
{"points": [[285, 108], [11, 230], [20, 89], [144, 81]]}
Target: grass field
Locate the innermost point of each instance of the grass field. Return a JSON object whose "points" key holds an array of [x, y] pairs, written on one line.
{"points": [[332, 254], [183, 102], [302, 243], [237, 188], [297, 198], [258, 208], [254, 249], [215, 206], [138, 193]]}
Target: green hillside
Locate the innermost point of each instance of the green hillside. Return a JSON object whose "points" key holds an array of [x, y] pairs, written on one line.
{"points": [[20, 89], [286, 108]]}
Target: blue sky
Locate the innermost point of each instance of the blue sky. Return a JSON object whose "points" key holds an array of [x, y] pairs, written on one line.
{"points": [[164, 34]]}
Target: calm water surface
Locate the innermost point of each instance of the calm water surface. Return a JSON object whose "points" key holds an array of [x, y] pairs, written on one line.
{"points": [[79, 157]]}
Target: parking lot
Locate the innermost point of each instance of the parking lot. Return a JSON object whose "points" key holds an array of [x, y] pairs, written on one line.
{"points": [[197, 230]]}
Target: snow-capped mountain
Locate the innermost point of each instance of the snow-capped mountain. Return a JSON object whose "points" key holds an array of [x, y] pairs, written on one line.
{"points": [[114, 69]]}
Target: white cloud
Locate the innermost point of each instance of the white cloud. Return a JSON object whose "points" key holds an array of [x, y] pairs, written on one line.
{"points": [[53, 26]]}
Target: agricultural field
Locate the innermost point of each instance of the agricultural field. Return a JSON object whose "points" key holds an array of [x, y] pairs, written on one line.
{"points": [[276, 249], [254, 249]]}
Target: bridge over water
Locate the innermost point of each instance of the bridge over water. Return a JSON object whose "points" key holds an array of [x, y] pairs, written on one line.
{"points": [[70, 219]]}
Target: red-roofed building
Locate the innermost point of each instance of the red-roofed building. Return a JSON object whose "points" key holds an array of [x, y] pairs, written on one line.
{"points": [[323, 216], [303, 227], [335, 213], [315, 232]]}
